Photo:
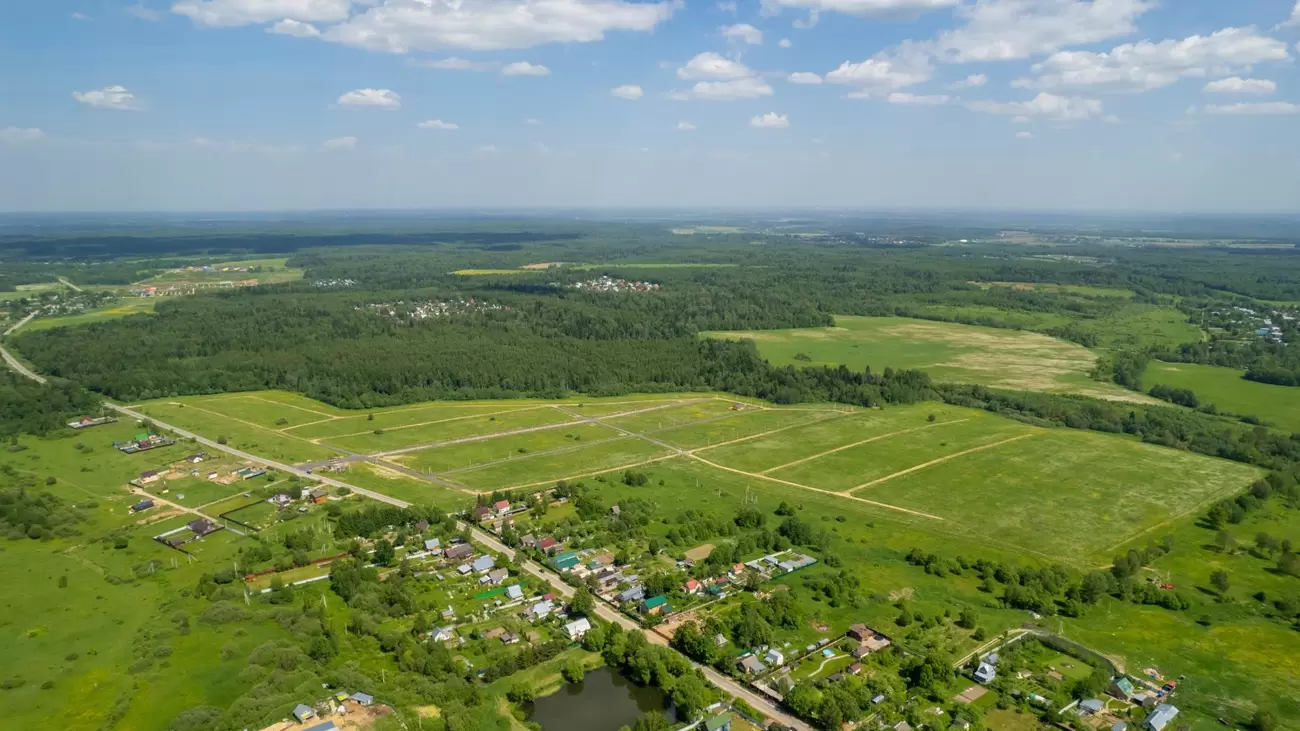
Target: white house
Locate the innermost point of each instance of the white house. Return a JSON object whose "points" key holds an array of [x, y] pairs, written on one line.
{"points": [[577, 628]]}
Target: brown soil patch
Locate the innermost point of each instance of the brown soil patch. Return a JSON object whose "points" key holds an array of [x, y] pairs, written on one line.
{"points": [[821, 627], [906, 593], [699, 553], [971, 694]]}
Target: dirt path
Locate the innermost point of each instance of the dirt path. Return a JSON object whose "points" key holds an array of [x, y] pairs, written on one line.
{"points": [[858, 444], [428, 423], [833, 415], [933, 462], [249, 424]]}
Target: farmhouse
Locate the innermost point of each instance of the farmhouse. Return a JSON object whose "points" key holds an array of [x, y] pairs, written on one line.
{"points": [[196, 458], [1122, 688], [482, 513], [577, 628], [147, 477], [985, 673], [514, 593], [633, 594], [501, 507], [539, 610], [496, 576], [432, 545], [203, 527], [692, 586], [721, 722], [528, 541], [442, 634], [565, 561], [654, 605], [460, 550], [483, 564], [548, 545], [869, 639], [1160, 717], [774, 657], [750, 664]]}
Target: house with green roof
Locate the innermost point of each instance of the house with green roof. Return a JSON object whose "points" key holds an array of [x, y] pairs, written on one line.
{"points": [[565, 560], [654, 604], [720, 722]]}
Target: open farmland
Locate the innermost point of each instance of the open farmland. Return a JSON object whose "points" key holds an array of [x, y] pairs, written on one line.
{"points": [[1227, 390], [949, 352]]}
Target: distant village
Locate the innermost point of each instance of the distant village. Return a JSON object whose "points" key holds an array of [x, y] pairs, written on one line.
{"points": [[610, 284], [430, 309]]}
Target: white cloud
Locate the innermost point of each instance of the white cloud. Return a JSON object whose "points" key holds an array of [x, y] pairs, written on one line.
{"points": [[747, 88], [814, 18], [970, 82], [400, 26], [771, 120], [1110, 119], [143, 12], [1044, 106], [1000, 30], [743, 32], [532, 121], [80, 16], [804, 77], [295, 28], [710, 65], [523, 68], [230, 13], [883, 73], [1025, 135], [379, 98], [19, 135], [487, 150], [341, 143], [1145, 65], [784, 43], [727, 7], [857, 7], [902, 97], [685, 127], [1258, 108], [110, 97], [1293, 21], [455, 64], [1238, 85], [628, 91], [437, 124]]}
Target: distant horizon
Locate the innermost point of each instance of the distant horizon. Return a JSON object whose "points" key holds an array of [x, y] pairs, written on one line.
{"points": [[749, 211]]}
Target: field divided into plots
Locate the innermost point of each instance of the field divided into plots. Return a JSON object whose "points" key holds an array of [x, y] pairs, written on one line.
{"points": [[1058, 494]]}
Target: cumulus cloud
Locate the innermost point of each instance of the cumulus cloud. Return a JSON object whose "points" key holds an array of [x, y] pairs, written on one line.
{"points": [[784, 43], [747, 88], [628, 91], [378, 98], [1293, 21], [1238, 85], [902, 97], [532, 121], [1024, 135], [857, 7], [487, 150], [1145, 65], [110, 97], [970, 82], [883, 73], [1257, 108], [455, 64], [1000, 30], [231, 13], [1044, 106], [743, 32], [143, 12], [523, 68], [437, 124], [709, 65], [685, 127], [20, 135], [771, 120], [341, 143], [295, 28], [80, 16], [804, 77], [400, 26]]}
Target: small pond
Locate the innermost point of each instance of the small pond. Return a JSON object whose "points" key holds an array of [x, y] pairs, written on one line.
{"points": [[602, 701]]}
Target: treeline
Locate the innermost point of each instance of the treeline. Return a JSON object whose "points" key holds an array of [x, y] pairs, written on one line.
{"points": [[28, 407], [645, 664], [36, 515], [1264, 362]]}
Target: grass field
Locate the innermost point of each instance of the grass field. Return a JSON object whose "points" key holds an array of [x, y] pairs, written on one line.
{"points": [[1226, 389], [461, 428], [1065, 288], [949, 352], [273, 270], [469, 454], [124, 307], [547, 468], [239, 434]]}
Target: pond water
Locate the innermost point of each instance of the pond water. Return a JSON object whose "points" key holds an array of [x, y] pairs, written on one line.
{"points": [[602, 701]]}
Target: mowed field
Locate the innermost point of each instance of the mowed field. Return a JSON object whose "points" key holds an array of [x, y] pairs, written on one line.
{"points": [[1226, 389], [1056, 494], [949, 352]]}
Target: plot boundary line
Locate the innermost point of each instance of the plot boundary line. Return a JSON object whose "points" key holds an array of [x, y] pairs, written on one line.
{"points": [[940, 460], [291, 406], [422, 423], [575, 477], [835, 414], [878, 437], [238, 420]]}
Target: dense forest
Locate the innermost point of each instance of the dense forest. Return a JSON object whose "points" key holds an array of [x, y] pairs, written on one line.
{"points": [[27, 407]]}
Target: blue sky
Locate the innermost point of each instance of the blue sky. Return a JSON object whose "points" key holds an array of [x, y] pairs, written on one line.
{"points": [[1172, 105]]}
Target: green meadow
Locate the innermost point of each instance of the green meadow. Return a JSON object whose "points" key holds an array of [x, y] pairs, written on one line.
{"points": [[506, 448], [1227, 390], [239, 434], [950, 352], [626, 452], [460, 428], [124, 307]]}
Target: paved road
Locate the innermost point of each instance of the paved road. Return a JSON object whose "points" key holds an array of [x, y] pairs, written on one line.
{"points": [[64, 280], [603, 610], [13, 362]]}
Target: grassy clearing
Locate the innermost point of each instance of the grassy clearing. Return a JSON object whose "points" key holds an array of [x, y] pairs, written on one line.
{"points": [[273, 271], [949, 352], [122, 308], [1067, 493], [1062, 288], [265, 413], [478, 425], [742, 424], [674, 416], [849, 468], [240, 435], [395, 484], [547, 467], [608, 408], [1226, 389], [1138, 325], [461, 456], [763, 453], [397, 419], [195, 491]]}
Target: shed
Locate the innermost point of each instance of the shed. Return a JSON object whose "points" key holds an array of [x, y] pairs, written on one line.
{"points": [[514, 592], [142, 505], [302, 712], [1160, 717], [720, 722], [364, 699], [1092, 705]]}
